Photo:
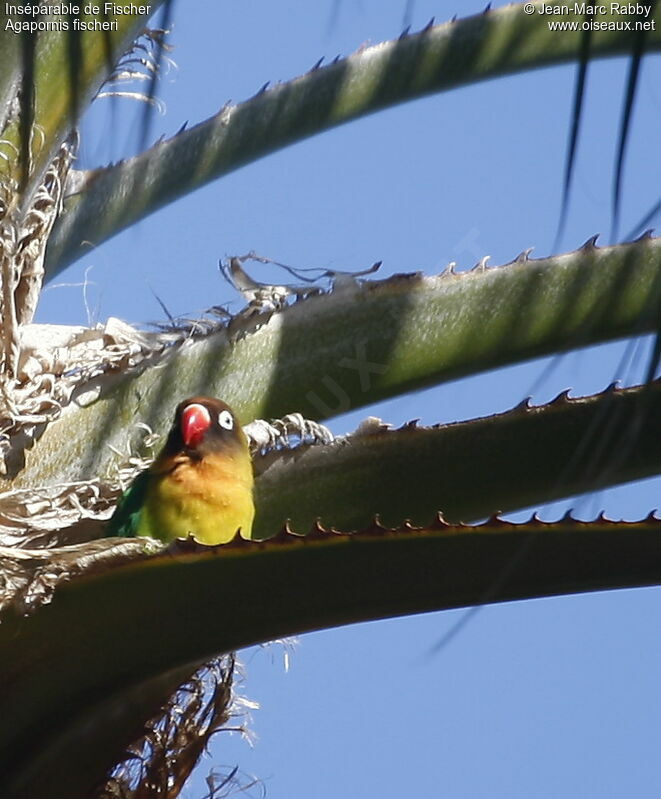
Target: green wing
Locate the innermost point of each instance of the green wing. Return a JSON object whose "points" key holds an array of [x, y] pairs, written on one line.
{"points": [[124, 521]]}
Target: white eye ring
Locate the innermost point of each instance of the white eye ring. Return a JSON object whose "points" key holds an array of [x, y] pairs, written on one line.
{"points": [[226, 420]]}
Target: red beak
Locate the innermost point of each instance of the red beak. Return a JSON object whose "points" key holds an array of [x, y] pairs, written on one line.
{"points": [[195, 421]]}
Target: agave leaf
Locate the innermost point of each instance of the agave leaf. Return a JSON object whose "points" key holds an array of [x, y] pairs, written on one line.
{"points": [[525, 457], [66, 669], [330, 353], [498, 42], [54, 56], [10, 71]]}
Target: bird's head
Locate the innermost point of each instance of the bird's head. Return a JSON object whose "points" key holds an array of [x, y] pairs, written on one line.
{"points": [[203, 425]]}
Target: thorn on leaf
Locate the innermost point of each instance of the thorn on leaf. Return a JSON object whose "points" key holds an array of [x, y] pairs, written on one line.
{"points": [[591, 243]]}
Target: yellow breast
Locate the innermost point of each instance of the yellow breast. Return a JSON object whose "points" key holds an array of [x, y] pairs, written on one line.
{"points": [[210, 499]]}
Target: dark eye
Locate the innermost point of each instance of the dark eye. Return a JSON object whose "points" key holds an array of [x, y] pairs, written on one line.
{"points": [[226, 420]]}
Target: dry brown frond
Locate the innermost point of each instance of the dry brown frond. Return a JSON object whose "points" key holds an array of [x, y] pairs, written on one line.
{"points": [[159, 763]]}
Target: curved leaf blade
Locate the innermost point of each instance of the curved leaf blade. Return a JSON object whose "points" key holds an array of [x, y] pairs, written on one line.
{"points": [[497, 42], [331, 353], [61, 668]]}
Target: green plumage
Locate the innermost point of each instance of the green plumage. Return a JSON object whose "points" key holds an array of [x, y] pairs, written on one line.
{"points": [[124, 522]]}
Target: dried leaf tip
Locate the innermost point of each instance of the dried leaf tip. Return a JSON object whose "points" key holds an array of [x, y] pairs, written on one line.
{"points": [[291, 431], [371, 426]]}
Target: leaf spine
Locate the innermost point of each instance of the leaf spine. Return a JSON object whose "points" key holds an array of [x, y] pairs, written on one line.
{"points": [[562, 398], [590, 244], [523, 257]]}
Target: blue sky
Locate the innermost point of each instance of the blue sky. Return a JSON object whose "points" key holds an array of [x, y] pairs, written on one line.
{"points": [[540, 698]]}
